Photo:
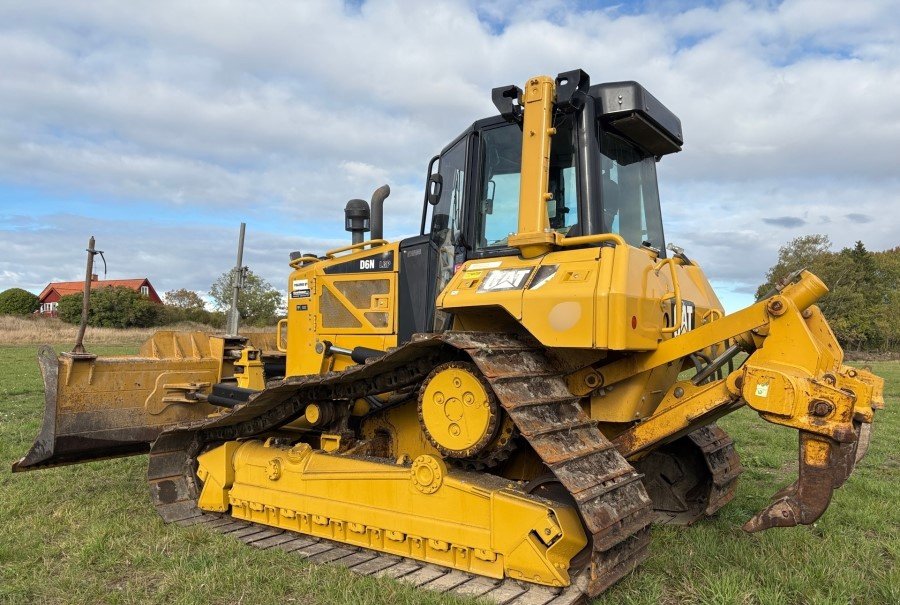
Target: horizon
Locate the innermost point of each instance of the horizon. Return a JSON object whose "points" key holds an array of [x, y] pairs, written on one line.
{"points": [[160, 135]]}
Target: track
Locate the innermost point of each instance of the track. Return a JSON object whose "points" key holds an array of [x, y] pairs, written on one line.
{"points": [[723, 463], [610, 496], [692, 477]]}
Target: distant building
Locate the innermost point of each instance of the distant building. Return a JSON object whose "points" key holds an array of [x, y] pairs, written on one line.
{"points": [[50, 296]]}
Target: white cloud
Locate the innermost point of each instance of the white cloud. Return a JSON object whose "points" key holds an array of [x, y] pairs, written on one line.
{"points": [[52, 249], [280, 111]]}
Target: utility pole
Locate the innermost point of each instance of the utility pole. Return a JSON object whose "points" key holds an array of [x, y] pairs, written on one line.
{"points": [[240, 271], [86, 298]]}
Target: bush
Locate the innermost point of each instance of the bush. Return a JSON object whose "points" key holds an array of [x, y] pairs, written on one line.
{"points": [[112, 308], [17, 301]]}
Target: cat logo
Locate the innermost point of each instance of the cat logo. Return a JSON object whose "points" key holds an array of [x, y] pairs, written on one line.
{"points": [[687, 318], [366, 263]]}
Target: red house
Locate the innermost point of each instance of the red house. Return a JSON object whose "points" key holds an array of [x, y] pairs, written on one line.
{"points": [[50, 296]]}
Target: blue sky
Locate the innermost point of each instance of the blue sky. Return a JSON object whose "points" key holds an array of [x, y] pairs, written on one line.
{"points": [[159, 126]]}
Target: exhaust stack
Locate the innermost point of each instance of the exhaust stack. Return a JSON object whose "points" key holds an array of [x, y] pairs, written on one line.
{"points": [[378, 198]]}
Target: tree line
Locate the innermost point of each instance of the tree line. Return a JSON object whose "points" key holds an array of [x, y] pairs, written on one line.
{"points": [[864, 289], [862, 305], [259, 304]]}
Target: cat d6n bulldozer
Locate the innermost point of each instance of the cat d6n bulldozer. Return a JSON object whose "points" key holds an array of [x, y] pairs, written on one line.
{"points": [[500, 406]]}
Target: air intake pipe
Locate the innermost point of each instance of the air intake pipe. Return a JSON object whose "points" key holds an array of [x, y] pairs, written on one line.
{"points": [[356, 219], [377, 205]]}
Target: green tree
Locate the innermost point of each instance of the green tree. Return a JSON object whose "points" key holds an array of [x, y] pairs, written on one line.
{"points": [[800, 253], [17, 301], [186, 305], [258, 303], [887, 318], [112, 308], [184, 299], [864, 289]]}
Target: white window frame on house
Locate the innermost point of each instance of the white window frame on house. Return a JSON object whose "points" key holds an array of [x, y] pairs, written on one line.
{"points": [[145, 290]]}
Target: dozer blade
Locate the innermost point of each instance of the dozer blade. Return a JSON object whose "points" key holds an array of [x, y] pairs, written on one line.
{"points": [[107, 407]]}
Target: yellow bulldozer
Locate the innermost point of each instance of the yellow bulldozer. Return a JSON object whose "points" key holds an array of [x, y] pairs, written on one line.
{"points": [[501, 406]]}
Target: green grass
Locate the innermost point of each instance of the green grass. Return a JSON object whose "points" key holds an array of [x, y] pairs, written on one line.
{"points": [[88, 533]]}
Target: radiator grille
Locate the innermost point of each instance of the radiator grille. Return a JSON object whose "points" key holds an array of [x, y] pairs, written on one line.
{"points": [[359, 293], [334, 314], [377, 319]]}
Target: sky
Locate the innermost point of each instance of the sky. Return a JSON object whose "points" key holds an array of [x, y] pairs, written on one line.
{"points": [[159, 126]]}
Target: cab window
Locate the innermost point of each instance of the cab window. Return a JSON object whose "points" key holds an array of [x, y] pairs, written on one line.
{"points": [[447, 217], [497, 211], [445, 221], [629, 194]]}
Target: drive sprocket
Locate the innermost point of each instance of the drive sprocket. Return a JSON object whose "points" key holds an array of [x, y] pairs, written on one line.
{"points": [[458, 412]]}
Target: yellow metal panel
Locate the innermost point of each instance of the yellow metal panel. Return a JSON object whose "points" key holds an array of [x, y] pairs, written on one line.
{"points": [[400, 426], [634, 398], [559, 309], [769, 390], [371, 307]]}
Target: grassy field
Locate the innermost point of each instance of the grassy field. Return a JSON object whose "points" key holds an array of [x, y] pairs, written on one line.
{"points": [[38, 330], [88, 534]]}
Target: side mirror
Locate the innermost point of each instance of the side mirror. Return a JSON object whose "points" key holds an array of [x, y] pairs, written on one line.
{"points": [[435, 185]]}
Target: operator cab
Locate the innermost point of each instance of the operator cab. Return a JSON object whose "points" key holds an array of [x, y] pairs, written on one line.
{"points": [[602, 180], [602, 173]]}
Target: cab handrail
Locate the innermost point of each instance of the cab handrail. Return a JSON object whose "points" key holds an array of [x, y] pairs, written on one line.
{"points": [[675, 293], [298, 262], [279, 343], [372, 242], [597, 238]]}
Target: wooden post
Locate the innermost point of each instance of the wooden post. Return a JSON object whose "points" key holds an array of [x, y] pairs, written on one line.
{"points": [[86, 298]]}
